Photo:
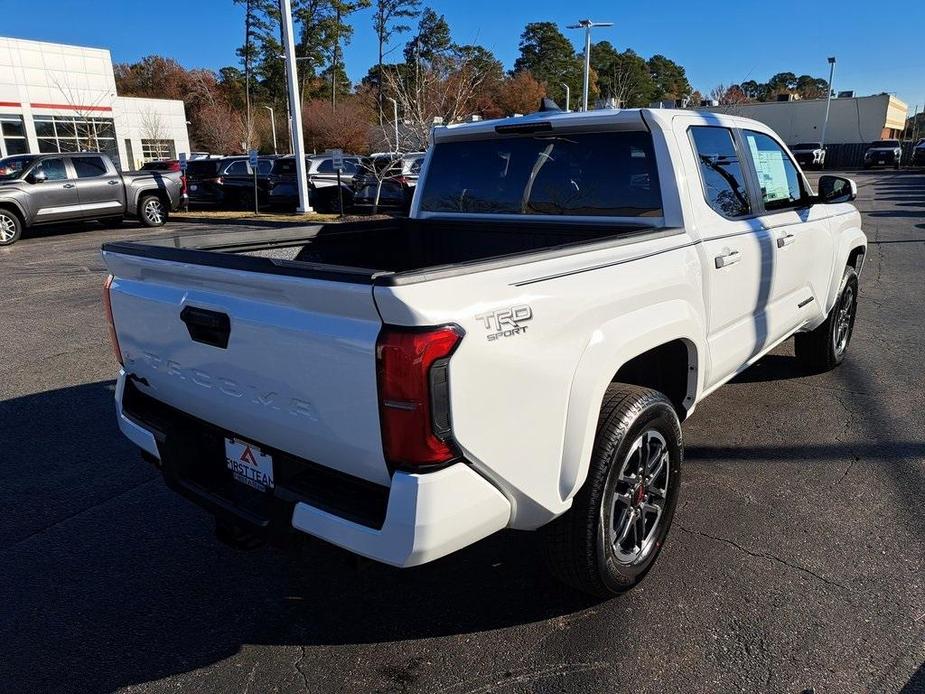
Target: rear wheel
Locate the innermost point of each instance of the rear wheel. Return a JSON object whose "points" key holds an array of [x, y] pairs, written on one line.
{"points": [[10, 228], [151, 211], [825, 347], [610, 538]]}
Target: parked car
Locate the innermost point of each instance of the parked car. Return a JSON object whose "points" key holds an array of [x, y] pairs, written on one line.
{"points": [[226, 182], [918, 154], [48, 188], [390, 176], [518, 353], [162, 165], [809, 155], [238, 182], [322, 182], [883, 153]]}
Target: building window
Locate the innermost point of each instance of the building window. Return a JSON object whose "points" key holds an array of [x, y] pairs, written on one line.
{"points": [[14, 135], [76, 134], [153, 150]]}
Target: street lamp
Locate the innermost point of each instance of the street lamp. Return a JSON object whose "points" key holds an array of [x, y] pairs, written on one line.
{"points": [[395, 112], [568, 95], [295, 113], [828, 99], [587, 25], [272, 125]]}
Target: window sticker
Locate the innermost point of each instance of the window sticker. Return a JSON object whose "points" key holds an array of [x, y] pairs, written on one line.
{"points": [[772, 175]]}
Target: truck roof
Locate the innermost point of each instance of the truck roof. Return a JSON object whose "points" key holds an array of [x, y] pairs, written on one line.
{"points": [[618, 119]]}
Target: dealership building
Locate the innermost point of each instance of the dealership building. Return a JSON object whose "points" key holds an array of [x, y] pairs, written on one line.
{"points": [[59, 98], [852, 120]]}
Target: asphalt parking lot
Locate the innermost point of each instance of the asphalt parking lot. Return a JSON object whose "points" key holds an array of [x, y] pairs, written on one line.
{"points": [[796, 561]]}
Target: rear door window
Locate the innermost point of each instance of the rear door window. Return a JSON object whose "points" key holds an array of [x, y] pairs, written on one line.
{"points": [[89, 167], [238, 168], [720, 171], [578, 174], [326, 166]]}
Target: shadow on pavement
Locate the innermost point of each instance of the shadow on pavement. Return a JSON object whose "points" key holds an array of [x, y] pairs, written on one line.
{"points": [[148, 592]]}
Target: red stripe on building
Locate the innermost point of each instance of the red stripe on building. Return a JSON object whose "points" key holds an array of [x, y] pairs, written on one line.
{"points": [[72, 107], [13, 104]]}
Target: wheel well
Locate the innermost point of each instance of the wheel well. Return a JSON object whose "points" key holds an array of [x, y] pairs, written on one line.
{"points": [[160, 194], [856, 259], [14, 210], [670, 368]]}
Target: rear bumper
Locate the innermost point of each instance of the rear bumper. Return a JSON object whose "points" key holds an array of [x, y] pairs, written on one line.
{"points": [[426, 516]]}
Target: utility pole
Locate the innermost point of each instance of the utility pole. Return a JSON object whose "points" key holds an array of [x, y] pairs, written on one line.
{"points": [[587, 25], [568, 94], [272, 125], [828, 99], [334, 61], [295, 135], [247, 72]]}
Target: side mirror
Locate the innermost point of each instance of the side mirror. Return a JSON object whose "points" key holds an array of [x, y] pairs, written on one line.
{"points": [[37, 177], [834, 189]]}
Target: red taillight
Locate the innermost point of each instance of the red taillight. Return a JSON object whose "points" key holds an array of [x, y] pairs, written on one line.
{"points": [[413, 370], [107, 303]]}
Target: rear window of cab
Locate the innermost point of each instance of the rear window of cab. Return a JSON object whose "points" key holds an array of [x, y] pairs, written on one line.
{"points": [[578, 174]]}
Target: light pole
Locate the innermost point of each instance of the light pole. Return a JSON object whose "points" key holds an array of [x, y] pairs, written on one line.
{"points": [[828, 99], [587, 25], [568, 95], [395, 116], [295, 134], [272, 125]]}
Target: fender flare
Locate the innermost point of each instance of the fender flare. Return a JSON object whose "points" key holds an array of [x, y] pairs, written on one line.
{"points": [[610, 347], [849, 240], [10, 202]]}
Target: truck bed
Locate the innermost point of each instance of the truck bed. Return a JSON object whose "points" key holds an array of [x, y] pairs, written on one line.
{"points": [[384, 251]]}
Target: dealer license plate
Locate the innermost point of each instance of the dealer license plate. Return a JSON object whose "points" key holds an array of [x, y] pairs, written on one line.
{"points": [[249, 465]]}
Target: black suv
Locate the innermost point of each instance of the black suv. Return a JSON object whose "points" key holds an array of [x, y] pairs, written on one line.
{"points": [[883, 153], [226, 182]]}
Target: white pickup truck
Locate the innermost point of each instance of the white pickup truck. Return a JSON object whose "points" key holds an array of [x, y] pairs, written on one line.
{"points": [[519, 353]]}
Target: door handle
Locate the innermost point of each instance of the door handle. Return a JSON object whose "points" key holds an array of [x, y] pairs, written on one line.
{"points": [[785, 240], [113, 183], [726, 259], [68, 185]]}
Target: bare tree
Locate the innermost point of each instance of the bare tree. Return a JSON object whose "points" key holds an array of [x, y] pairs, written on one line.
{"points": [[444, 88], [86, 104], [154, 129], [387, 11]]}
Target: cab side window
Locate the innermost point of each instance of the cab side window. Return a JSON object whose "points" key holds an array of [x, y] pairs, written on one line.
{"points": [[720, 171], [54, 169], [780, 182], [89, 167]]}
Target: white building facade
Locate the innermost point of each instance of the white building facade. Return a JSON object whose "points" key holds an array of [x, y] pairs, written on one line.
{"points": [[59, 98]]}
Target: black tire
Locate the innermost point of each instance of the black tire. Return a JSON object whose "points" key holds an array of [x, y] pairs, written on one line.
{"points": [[10, 227], [581, 546], [152, 212], [825, 347]]}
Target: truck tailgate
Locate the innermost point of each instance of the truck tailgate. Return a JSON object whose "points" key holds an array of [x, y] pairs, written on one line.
{"points": [[299, 370]]}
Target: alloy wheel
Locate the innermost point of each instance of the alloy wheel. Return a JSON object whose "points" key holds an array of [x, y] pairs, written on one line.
{"points": [[7, 228], [154, 211], [843, 322], [639, 498]]}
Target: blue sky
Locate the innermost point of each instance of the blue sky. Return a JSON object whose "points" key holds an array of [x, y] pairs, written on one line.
{"points": [[720, 41]]}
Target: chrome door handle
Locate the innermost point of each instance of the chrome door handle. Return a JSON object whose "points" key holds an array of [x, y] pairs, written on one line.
{"points": [[785, 240], [68, 185], [726, 259], [113, 183]]}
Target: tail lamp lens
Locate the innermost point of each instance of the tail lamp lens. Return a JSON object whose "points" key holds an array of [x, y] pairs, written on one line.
{"points": [[413, 368], [107, 303]]}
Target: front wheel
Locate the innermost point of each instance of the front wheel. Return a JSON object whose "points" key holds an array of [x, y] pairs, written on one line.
{"points": [[610, 538], [825, 347], [10, 228], [151, 211]]}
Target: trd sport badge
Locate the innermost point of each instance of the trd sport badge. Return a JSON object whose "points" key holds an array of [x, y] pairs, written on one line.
{"points": [[506, 322]]}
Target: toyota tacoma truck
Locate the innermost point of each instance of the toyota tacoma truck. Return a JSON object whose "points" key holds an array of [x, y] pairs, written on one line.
{"points": [[53, 188], [518, 353]]}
